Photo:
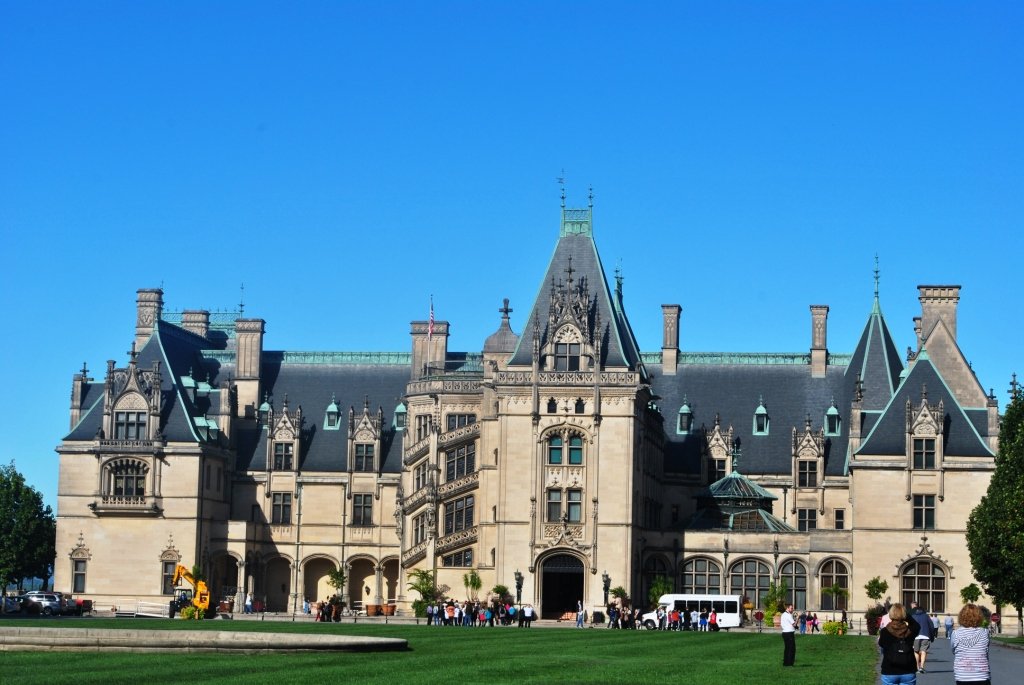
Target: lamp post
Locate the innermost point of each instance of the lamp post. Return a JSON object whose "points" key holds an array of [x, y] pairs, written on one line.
{"points": [[606, 582], [519, 587]]}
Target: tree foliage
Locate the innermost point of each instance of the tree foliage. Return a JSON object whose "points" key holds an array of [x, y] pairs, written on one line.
{"points": [[995, 529], [28, 530], [875, 588], [970, 593], [660, 586]]}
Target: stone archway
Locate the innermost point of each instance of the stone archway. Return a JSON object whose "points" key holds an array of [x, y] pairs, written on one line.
{"points": [[390, 591], [561, 579], [277, 583], [362, 581], [314, 576], [223, 579]]}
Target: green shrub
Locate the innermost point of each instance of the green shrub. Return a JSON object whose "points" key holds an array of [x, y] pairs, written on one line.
{"points": [[873, 617], [834, 628]]}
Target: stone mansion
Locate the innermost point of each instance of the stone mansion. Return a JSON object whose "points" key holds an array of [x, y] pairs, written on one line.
{"points": [[562, 455]]}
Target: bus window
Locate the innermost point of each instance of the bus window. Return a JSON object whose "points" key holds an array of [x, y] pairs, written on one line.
{"points": [[731, 607], [719, 606]]}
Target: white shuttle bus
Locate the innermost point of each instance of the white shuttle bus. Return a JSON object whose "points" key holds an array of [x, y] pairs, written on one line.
{"points": [[727, 607]]}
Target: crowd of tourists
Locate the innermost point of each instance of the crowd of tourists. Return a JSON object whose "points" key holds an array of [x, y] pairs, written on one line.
{"points": [[474, 614]]}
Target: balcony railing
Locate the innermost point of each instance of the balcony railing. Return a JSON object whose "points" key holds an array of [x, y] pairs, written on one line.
{"points": [[126, 504]]}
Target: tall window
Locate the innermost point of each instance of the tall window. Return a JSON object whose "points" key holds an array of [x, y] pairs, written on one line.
{"points": [[422, 426], [167, 577], [807, 472], [567, 356], [555, 450], [364, 457], [575, 506], [702, 577], [281, 511], [795, 575], [362, 510], [924, 512], [580, 407], [127, 478], [460, 461], [750, 577], [575, 450], [283, 456], [807, 519], [458, 515], [459, 420], [924, 453], [554, 506], [840, 519], [924, 582], [78, 576], [129, 425], [419, 529], [419, 476], [834, 572]]}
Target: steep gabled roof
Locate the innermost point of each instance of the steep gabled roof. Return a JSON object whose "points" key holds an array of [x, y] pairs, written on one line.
{"points": [[576, 256], [889, 434], [876, 361]]}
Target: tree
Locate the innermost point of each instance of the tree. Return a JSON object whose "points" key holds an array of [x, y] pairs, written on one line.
{"points": [[836, 592], [970, 593], [28, 530], [876, 588], [619, 593], [472, 583], [423, 583], [995, 529], [660, 586], [336, 579]]}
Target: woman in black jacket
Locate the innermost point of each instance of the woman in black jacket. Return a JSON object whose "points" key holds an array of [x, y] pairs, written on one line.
{"points": [[896, 640]]}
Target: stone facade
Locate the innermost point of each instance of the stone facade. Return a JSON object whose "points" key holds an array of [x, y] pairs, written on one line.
{"points": [[563, 456]]}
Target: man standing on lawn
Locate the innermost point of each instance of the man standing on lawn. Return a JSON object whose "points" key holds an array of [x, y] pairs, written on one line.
{"points": [[788, 637]]}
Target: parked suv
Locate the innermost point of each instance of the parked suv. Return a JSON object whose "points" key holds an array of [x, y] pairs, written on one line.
{"points": [[48, 603]]}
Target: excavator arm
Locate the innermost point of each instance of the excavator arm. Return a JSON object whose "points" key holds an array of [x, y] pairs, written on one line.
{"points": [[200, 593]]}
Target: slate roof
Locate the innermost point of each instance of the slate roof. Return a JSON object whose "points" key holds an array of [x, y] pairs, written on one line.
{"points": [[732, 391], [961, 434], [877, 362], [619, 344], [312, 386]]}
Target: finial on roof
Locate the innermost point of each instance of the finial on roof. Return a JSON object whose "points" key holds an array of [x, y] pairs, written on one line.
{"points": [[807, 421], [590, 197], [569, 270], [241, 301], [285, 407], [132, 353], [366, 402], [561, 182], [505, 310], [924, 392], [876, 275], [85, 372], [1014, 386]]}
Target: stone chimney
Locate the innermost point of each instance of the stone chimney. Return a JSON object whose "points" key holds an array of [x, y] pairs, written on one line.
{"points": [[429, 351], [149, 305], [938, 303], [819, 340], [248, 357], [197, 321], [670, 338]]}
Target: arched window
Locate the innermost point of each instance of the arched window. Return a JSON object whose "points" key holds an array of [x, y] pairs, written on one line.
{"points": [[924, 582], [834, 573], [580, 406], [794, 574], [125, 478], [750, 577], [552, 406], [702, 577]]}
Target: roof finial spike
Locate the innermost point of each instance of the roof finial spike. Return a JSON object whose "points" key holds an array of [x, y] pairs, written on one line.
{"points": [[505, 310], [241, 301], [561, 182], [590, 197], [876, 275], [569, 270], [1014, 386]]}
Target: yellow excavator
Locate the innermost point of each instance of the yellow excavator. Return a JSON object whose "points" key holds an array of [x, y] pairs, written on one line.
{"points": [[200, 593]]}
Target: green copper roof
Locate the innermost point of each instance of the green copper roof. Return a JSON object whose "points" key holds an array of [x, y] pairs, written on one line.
{"points": [[577, 222], [736, 486], [753, 358]]}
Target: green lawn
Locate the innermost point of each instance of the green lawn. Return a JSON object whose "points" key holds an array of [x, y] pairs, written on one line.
{"points": [[461, 655]]}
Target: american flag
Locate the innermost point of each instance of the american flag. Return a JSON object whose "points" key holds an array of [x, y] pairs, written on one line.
{"points": [[430, 323]]}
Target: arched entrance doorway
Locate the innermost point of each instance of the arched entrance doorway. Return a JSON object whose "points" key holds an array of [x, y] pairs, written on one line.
{"points": [[561, 585], [277, 585]]}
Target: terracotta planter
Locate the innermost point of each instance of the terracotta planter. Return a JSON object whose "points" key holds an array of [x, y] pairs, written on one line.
{"points": [[777, 620], [373, 609], [389, 609]]}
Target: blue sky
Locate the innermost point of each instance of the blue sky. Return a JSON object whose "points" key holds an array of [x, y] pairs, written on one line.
{"points": [[347, 160]]}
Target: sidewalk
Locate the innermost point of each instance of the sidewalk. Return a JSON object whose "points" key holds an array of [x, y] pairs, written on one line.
{"points": [[1006, 663]]}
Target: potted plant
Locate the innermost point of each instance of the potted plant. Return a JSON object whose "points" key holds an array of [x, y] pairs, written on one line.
{"points": [[774, 603], [875, 589]]}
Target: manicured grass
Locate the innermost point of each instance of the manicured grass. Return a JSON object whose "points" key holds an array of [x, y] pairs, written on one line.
{"points": [[464, 655]]}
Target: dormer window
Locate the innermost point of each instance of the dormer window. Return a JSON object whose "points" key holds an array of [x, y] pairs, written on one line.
{"points": [[761, 421], [264, 411], [685, 421], [129, 425], [400, 417], [364, 457], [833, 424], [283, 456], [332, 416], [924, 453], [567, 356]]}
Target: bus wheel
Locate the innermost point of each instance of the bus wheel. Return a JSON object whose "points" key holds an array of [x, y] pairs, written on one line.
{"points": [[649, 624]]}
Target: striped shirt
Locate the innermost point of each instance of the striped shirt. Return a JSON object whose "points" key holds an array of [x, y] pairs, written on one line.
{"points": [[970, 654]]}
